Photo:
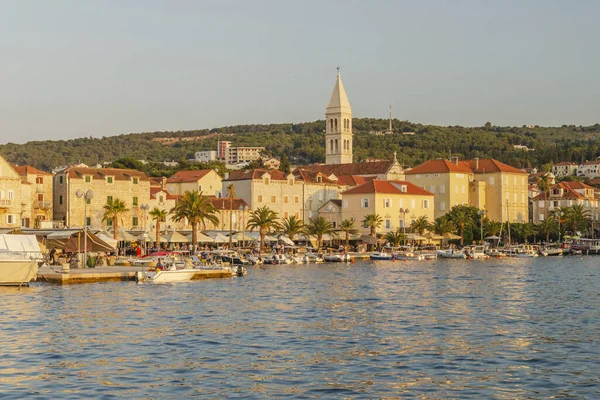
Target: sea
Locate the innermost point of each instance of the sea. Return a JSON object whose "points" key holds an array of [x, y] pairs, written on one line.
{"points": [[445, 329]]}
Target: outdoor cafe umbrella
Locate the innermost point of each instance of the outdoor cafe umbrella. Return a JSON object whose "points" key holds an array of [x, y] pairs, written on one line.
{"points": [[243, 237], [123, 235], [152, 238], [176, 237], [201, 237], [286, 240], [451, 236]]}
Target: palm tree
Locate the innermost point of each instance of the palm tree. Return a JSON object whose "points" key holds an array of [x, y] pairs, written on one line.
{"points": [[292, 226], [372, 221], [562, 217], [443, 225], [460, 217], [113, 209], [395, 237], [319, 227], [347, 226], [158, 215], [578, 217], [547, 226], [492, 228], [527, 230], [265, 220], [230, 196], [420, 225], [196, 209]]}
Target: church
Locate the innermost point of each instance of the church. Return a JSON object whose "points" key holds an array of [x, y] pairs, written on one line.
{"points": [[338, 146]]}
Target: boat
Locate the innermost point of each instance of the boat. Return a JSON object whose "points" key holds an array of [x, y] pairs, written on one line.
{"points": [[382, 256], [20, 259], [231, 257], [337, 257], [276, 259], [476, 253], [428, 253], [521, 251], [405, 253], [451, 253], [301, 259], [314, 258], [166, 276], [586, 246]]}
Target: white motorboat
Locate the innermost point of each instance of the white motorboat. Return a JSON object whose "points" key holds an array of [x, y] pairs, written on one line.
{"points": [[277, 259], [301, 259], [521, 251], [337, 257], [451, 253], [166, 276], [553, 249], [476, 253], [20, 259]]}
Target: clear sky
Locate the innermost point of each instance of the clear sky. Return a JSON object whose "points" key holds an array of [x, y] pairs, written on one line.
{"points": [[73, 68]]}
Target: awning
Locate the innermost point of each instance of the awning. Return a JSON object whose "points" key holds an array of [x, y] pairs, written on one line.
{"points": [[77, 243], [123, 235], [201, 237]]}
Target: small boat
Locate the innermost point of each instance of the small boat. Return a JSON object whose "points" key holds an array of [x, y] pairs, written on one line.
{"points": [[20, 259], [301, 259], [521, 251], [553, 249], [382, 256], [476, 253], [451, 253], [337, 257], [166, 276], [277, 259]]}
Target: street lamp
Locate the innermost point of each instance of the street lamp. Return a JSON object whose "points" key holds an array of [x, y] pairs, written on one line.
{"points": [[404, 211], [481, 214], [87, 196], [144, 208], [243, 209]]}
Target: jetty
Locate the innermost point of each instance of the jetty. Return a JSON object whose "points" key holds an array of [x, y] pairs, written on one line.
{"points": [[54, 274]]}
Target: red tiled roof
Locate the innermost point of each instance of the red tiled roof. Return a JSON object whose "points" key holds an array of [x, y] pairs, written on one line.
{"points": [[354, 180], [101, 173], [223, 203], [245, 174], [364, 168], [155, 190], [188, 176], [308, 176], [27, 170], [487, 165], [569, 188], [438, 166], [391, 187], [591, 162]]}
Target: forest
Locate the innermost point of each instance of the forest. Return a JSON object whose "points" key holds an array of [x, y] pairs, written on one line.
{"points": [[303, 143]]}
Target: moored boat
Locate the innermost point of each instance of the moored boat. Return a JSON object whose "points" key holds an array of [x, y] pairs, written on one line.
{"points": [[381, 256], [337, 257], [451, 253], [20, 259]]}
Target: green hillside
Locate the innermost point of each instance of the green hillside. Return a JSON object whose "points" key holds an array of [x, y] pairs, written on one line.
{"points": [[304, 143]]}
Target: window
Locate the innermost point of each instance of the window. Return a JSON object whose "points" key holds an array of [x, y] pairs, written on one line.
{"points": [[10, 219], [10, 195], [426, 175], [442, 189], [296, 199], [541, 217], [425, 203], [462, 189], [436, 175], [346, 203], [135, 201], [40, 196], [412, 204], [310, 214], [418, 176], [442, 205], [109, 199], [297, 214], [514, 180], [456, 189], [555, 203], [135, 180], [515, 198], [88, 179], [334, 224], [432, 188], [88, 221], [259, 199], [60, 199], [161, 199], [401, 224], [364, 203], [109, 179], [388, 224], [266, 180], [134, 221], [273, 199], [285, 199], [39, 179], [491, 180], [60, 179], [199, 188], [460, 176], [387, 203]]}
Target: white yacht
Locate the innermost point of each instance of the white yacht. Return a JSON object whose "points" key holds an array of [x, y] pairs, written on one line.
{"points": [[20, 259]]}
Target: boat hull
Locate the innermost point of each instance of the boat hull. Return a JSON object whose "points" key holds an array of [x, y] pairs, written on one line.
{"points": [[180, 275], [17, 272]]}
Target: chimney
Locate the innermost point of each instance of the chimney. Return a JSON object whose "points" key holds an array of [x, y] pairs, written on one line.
{"points": [[476, 160], [454, 160]]}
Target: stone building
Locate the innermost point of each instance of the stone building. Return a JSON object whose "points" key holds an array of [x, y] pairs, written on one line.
{"points": [[12, 203], [338, 129], [207, 181], [36, 189]]}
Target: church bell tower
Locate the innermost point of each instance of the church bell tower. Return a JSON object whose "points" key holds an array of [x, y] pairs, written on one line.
{"points": [[338, 130]]}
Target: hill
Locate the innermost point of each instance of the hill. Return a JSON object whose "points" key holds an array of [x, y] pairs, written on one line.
{"points": [[304, 143]]}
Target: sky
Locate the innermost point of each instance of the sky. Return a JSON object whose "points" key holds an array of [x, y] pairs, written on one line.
{"points": [[72, 68]]}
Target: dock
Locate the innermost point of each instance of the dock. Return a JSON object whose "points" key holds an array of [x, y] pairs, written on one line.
{"points": [[53, 274]]}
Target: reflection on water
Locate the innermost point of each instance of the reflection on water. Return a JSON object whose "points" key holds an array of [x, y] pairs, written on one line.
{"points": [[445, 329]]}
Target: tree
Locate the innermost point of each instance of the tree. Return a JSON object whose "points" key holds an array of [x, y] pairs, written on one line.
{"points": [[158, 216], [372, 221], [265, 220], [578, 217], [492, 228], [547, 226], [420, 225], [113, 209], [195, 209], [463, 216], [284, 166], [320, 227], [395, 237], [230, 196], [347, 226], [292, 226], [442, 225]]}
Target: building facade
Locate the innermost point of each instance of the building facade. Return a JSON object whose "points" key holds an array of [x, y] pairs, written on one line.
{"points": [[398, 203], [207, 181], [36, 190], [12, 202], [565, 194], [589, 169], [338, 129], [564, 169]]}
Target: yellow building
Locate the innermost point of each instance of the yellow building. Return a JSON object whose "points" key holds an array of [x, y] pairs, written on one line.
{"points": [[488, 184], [301, 193], [206, 181], [12, 203], [448, 181], [398, 203], [36, 189], [130, 186]]}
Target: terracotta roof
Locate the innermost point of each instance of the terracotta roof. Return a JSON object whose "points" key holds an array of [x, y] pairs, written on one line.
{"points": [[487, 165], [569, 192], [188, 176], [27, 170], [102, 173], [302, 174], [245, 174], [391, 187], [439, 166], [564, 163], [155, 190], [591, 162], [223, 203], [364, 168], [354, 180]]}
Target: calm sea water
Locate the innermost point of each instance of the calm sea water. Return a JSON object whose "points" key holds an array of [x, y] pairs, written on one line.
{"points": [[445, 329]]}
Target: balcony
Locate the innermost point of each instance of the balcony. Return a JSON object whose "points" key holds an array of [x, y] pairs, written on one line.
{"points": [[42, 205], [6, 203]]}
